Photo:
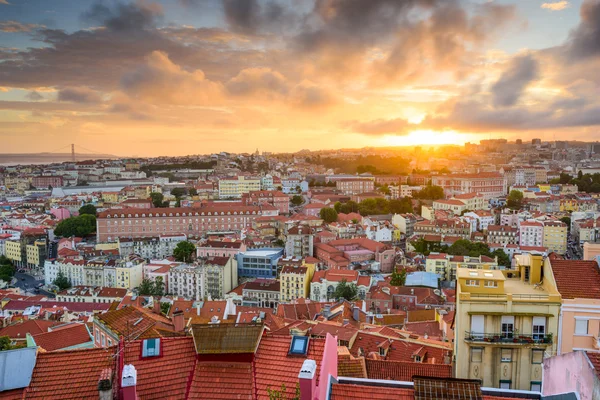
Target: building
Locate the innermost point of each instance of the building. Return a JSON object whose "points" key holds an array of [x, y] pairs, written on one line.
{"points": [[187, 281], [299, 241], [555, 236], [447, 227], [531, 233], [150, 247], [264, 293], [406, 223], [220, 276], [484, 219], [45, 181], [446, 265], [456, 206], [342, 253], [473, 201], [221, 248], [487, 184], [324, 283], [258, 263], [113, 224], [279, 200], [351, 186], [505, 324], [295, 281], [91, 294], [502, 234], [236, 187]]}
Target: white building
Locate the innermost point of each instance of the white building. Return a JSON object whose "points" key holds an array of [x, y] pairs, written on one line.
{"points": [[187, 280], [150, 247], [531, 233], [324, 283], [484, 219]]}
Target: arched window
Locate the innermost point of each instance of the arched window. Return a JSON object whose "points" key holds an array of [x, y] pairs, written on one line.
{"points": [[330, 291]]}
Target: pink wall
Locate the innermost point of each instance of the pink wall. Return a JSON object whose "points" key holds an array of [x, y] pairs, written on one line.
{"points": [[570, 372], [60, 213]]}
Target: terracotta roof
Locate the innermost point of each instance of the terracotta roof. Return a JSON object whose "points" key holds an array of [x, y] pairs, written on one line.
{"points": [[33, 327], [72, 335], [349, 366], [133, 322], [595, 360], [15, 394], [168, 373], [577, 279], [71, 374], [404, 371], [361, 392], [422, 328], [274, 367], [222, 381]]}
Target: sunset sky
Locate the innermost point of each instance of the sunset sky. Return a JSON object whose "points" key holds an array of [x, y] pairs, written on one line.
{"points": [[178, 77]]}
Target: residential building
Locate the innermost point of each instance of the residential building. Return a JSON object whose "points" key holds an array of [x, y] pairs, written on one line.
{"points": [[341, 253], [295, 281], [129, 273], [502, 234], [36, 255], [187, 281], [473, 201], [531, 233], [299, 241], [446, 265], [44, 181], [279, 200], [506, 322], [258, 263], [406, 223], [222, 248], [574, 374], [452, 227], [488, 184], [484, 219], [150, 247], [555, 236], [264, 293], [236, 187], [324, 283], [91, 294], [220, 275], [350, 186], [408, 190], [456, 206]]}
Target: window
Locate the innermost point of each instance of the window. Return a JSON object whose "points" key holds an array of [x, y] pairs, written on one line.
{"points": [[536, 386], [492, 284], [508, 326], [477, 354], [506, 355], [151, 348], [505, 384], [539, 327], [581, 326], [299, 345], [103, 340], [472, 282], [537, 356]]}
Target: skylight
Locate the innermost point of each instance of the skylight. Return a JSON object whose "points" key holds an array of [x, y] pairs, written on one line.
{"points": [[299, 345]]}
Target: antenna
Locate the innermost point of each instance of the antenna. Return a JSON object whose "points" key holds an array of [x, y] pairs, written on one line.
{"points": [[72, 152]]}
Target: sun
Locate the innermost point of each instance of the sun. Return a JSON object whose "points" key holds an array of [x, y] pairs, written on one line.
{"points": [[426, 136]]}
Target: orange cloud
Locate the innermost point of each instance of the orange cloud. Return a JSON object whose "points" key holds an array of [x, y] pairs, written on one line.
{"points": [[556, 6]]}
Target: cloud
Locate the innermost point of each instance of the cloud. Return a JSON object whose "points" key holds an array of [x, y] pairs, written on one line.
{"points": [[584, 41], [378, 127], [125, 16], [34, 96], [258, 80], [521, 71], [310, 95], [251, 16], [4, 2], [160, 81], [556, 6], [79, 95], [16, 26]]}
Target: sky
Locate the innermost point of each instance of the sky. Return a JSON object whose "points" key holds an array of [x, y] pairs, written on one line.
{"points": [[176, 77]]}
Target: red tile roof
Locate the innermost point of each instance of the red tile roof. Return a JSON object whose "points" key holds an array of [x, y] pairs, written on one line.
{"points": [[15, 394], [222, 381], [577, 279], [273, 365], [168, 373], [33, 327], [360, 392], [73, 335], [404, 371], [71, 374]]}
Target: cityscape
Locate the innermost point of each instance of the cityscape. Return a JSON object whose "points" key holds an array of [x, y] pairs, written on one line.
{"points": [[300, 200]]}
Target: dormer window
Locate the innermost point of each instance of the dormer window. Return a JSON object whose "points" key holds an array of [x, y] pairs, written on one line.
{"points": [[150, 348], [418, 359]]}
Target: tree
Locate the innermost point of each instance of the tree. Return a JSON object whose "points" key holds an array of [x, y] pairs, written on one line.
{"points": [[61, 281], [157, 199], [184, 251], [7, 270], [192, 192], [81, 225], [345, 290], [401, 206], [515, 199], [88, 209], [178, 192], [159, 286], [5, 343], [328, 214], [146, 287], [398, 278], [337, 207], [567, 221], [297, 200], [279, 243], [503, 258], [430, 192], [164, 307]]}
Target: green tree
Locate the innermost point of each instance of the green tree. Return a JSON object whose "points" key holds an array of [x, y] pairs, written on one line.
{"points": [[7, 270], [401, 206], [88, 209], [184, 251], [567, 220], [515, 199], [146, 287], [430, 192], [398, 277], [81, 225], [178, 192], [279, 243], [345, 290], [157, 199], [328, 214], [5, 343], [61, 281], [192, 191], [503, 258], [297, 200], [337, 207], [159, 286], [164, 307]]}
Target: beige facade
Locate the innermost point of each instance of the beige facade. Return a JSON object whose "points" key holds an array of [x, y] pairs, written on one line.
{"points": [[236, 187], [506, 324], [446, 265], [295, 282], [555, 236]]}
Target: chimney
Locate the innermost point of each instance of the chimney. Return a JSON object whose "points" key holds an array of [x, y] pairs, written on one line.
{"points": [[156, 306], [308, 380], [105, 389], [178, 321], [356, 313], [326, 310], [128, 383]]}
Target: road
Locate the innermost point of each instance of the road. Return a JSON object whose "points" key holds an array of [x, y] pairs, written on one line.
{"points": [[28, 283]]}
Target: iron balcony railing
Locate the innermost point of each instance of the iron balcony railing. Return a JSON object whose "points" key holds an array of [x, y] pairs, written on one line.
{"points": [[519, 338]]}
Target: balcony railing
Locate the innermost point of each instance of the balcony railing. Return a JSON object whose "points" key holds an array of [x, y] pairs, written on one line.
{"points": [[508, 338]]}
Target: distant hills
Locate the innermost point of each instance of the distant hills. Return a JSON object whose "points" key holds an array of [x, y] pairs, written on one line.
{"points": [[48, 158]]}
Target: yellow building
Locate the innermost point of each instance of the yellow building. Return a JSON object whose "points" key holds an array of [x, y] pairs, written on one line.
{"points": [[506, 324], [129, 275], [110, 197], [36, 254], [235, 187], [107, 246], [12, 250], [295, 281], [555, 236], [445, 265]]}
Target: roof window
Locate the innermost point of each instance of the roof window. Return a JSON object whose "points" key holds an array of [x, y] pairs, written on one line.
{"points": [[299, 345]]}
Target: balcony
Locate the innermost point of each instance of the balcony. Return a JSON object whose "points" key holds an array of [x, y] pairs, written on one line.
{"points": [[508, 338]]}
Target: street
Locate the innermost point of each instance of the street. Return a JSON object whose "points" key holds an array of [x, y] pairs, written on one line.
{"points": [[28, 283]]}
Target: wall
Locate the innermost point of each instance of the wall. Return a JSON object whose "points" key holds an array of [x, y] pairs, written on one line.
{"points": [[570, 372]]}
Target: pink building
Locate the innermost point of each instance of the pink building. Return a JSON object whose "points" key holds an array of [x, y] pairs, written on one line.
{"points": [[489, 184], [279, 200], [60, 213], [352, 186], [572, 372], [531, 233], [220, 248]]}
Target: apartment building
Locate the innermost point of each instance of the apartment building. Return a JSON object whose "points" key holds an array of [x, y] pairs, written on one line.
{"points": [[473, 201], [150, 247], [113, 224], [448, 227], [221, 248], [586, 230], [446, 265], [42, 182], [324, 283], [484, 219], [187, 280], [279, 200], [456, 206], [261, 292], [351, 186], [91, 294], [531, 233], [502, 234], [299, 241], [506, 324], [236, 187], [555, 236], [341, 253], [220, 276], [488, 184], [295, 281], [406, 223]]}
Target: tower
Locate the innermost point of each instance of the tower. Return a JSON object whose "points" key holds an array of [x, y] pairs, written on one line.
{"points": [[72, 152]]}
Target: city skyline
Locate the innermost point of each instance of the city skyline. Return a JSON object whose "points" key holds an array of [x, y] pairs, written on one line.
{"points": [[194, 77]]}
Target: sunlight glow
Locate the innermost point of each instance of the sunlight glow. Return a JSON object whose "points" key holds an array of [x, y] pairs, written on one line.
{"points": [[429, 137]]}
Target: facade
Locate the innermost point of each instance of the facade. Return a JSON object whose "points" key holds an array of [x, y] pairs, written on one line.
{"points": [[451, 227], [446, 265], [279, 200], [299, 241], [113, 224], [531, 233], [261, 293], [351, 186], [502, 234], [456, 206], [44, 181], [150, 247], [341, 253], [406, 223], [473, 201], [295, 281], [220, 248], [91, 294], [555, 236], [488, 184], [187, 280], [220, 276], [236, 187], [324, 283], [506, 322], [258, 263]]}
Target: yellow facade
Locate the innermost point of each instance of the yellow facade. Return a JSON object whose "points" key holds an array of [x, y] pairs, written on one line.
{"points": [[12, 249], [506, 324], [110, 197], [555, 237], [446, 268], [295, 283], [33, 254], [129, 277], [236, 187]]}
